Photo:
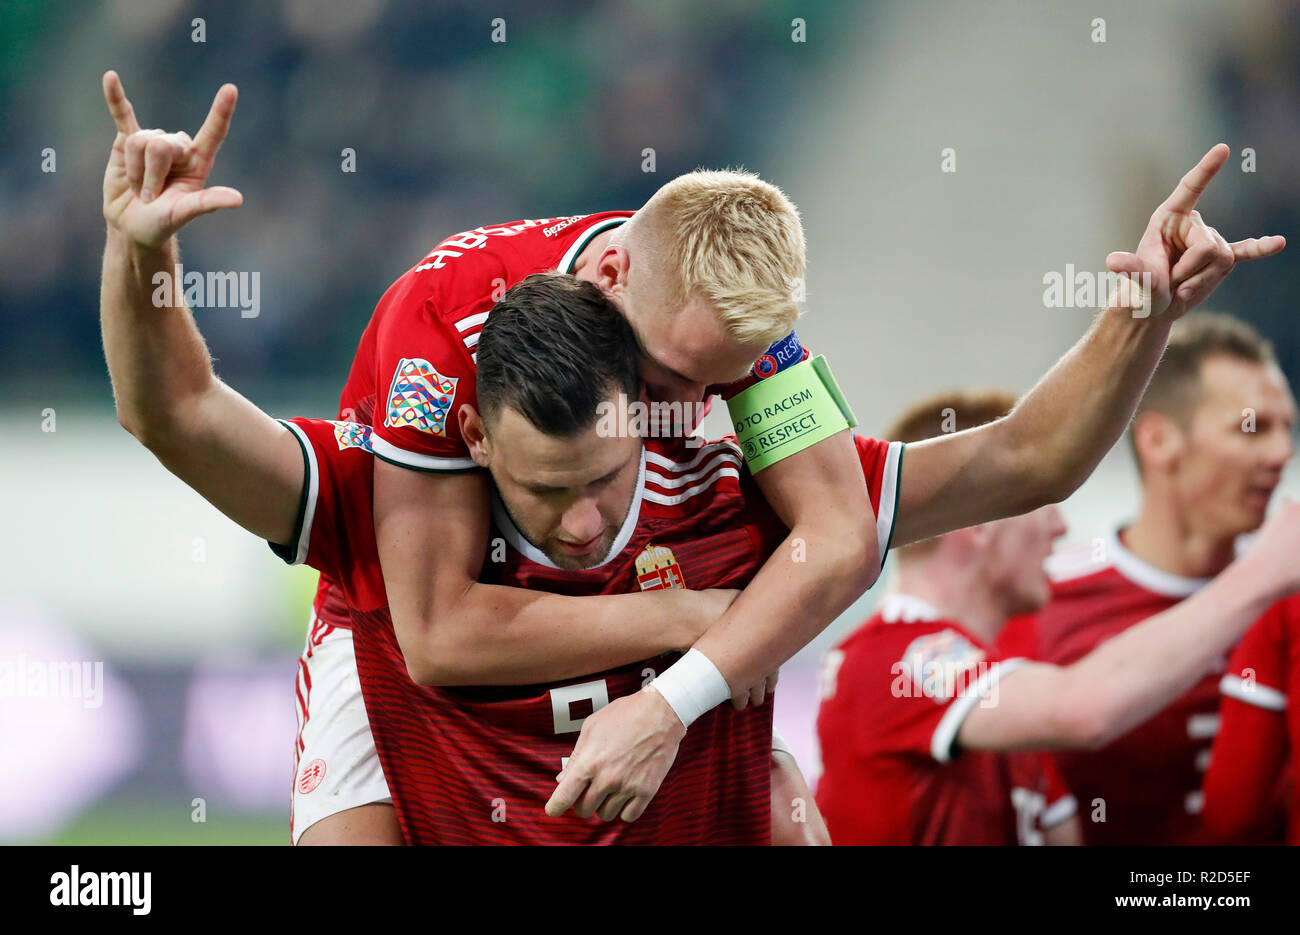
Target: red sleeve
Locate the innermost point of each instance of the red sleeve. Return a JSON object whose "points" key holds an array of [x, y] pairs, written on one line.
{"points": [[882, 464], [334, 532], [1019, 638], [1249, 756], [425, 369], [916, 694]]}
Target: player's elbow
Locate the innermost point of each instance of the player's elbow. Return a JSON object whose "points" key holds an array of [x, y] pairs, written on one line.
{"points": [[433, 663], [150, 431], [856, 552]]}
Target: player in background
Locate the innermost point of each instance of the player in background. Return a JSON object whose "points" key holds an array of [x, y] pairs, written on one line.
{"points": [[1211, 438], [917, 698], [1250, 788], [893, 776], [694, 331]]}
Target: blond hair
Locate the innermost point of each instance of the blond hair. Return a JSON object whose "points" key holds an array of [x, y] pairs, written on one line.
{"points": [[733, 240]]}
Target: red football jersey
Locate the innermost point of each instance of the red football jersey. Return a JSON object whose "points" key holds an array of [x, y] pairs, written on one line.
{"points": [[1147, 783], [894, 695], [416, 363], [476, 765], [1257, 753]]}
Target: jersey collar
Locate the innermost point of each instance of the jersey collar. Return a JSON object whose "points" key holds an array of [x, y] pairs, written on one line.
{"points": [[903, 608], [571, 255], [515, 539], [1149, 576]]}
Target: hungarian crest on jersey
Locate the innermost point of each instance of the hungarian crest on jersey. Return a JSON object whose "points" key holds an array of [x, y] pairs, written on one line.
{"points": [[657, 568], [420, 397]]}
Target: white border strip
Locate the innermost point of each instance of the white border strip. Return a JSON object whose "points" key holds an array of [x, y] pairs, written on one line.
{"points": [[386, 449], [1261, 696], [466, 323], [566, 262], [887, 513], [708, 450], [669, 483], [946, 733], [1063, 809], [674, 499], [313, 491], [1148, 576]]}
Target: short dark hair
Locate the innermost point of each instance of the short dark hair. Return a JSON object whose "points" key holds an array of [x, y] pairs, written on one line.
{"points": [[1175, 388], [553, 348]]}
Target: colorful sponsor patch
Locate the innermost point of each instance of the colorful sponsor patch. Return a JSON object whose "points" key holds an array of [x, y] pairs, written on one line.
{"points": [[657, 569], [939, 665], [420, 397], [352, 435]]}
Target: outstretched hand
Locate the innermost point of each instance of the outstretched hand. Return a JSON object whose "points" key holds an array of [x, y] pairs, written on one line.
{"points": [[153, 185], [1185, 258]]}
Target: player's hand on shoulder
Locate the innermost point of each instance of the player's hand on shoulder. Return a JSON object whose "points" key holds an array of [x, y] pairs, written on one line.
{"points": [[154, 182], [623, 753]]}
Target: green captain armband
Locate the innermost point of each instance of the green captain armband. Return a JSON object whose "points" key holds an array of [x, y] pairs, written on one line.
{"points": [[787, 412]]}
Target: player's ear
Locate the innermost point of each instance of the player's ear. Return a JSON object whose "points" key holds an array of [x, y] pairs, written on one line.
{"points": [[611, 269], [474, 432], [1158, 439]]}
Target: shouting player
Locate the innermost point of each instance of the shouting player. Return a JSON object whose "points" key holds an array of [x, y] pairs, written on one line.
{"points": [[705, 274], [919, 703], [1211, 438]]}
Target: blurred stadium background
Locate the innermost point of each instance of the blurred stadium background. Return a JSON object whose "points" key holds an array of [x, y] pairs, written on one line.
{"points": [[918, 279]]}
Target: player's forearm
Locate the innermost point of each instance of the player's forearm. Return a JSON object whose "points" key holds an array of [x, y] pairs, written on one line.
{"points": [[1081, 406], [1065, 425], [1127, 679], [811, 578], [157, 359], [496, 635]]}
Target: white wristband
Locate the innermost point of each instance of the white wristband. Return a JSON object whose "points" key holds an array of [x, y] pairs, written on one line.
{"points": [[692, 685]]}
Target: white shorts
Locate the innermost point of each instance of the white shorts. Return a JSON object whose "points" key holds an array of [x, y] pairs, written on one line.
{"points": [[336, 766]]}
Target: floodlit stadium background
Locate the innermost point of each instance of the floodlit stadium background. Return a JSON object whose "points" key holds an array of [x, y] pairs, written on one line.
{"points": [[918, 280]]}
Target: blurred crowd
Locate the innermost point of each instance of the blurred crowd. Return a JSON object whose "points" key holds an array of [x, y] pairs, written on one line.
{"points": [[449, 130]]}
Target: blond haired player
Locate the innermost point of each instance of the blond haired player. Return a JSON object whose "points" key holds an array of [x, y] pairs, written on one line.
{"points": [[683, 281]]}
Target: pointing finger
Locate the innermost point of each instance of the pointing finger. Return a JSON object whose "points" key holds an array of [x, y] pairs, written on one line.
{"points": [[217, 125], [119, 107], [1192, 184]]}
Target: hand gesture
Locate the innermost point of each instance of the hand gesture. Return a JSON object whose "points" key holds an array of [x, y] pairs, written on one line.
{"points": [[153, 185]]}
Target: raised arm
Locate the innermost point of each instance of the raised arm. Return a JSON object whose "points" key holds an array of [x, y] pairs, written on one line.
{"points": [[452, 629], [238, 458], [1127, 679], [1055, 437]]}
